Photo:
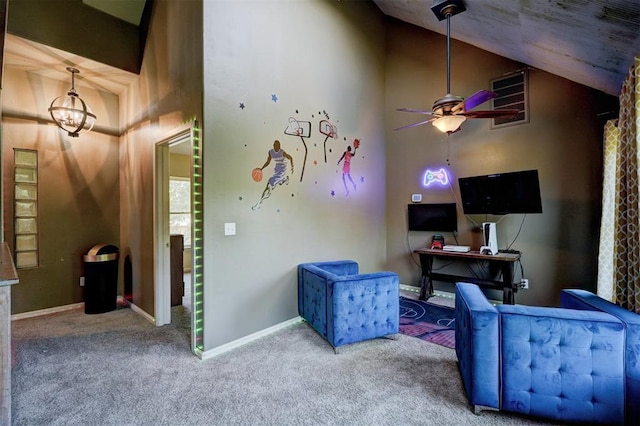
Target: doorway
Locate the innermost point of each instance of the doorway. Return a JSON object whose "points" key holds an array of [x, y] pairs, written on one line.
{"points": [[173, 231]]}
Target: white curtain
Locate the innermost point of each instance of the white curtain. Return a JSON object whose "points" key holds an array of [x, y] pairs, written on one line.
{"points": [[610, 184]]}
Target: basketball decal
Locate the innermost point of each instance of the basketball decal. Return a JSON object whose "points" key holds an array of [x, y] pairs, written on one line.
{"points": [[256, 174]]}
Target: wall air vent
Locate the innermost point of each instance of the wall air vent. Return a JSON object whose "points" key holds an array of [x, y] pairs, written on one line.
{"points": [[513, 92]]}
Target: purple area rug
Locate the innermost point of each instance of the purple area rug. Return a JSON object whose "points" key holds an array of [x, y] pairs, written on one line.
{"points": [[429, 322]]}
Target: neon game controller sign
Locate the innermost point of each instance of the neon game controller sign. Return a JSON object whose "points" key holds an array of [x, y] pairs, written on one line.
{"points": [[435, 178]]}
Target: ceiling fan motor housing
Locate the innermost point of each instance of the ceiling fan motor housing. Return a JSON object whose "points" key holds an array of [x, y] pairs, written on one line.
{"points": [[444, 105]]}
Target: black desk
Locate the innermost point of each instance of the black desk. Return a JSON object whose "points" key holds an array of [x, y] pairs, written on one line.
{"points": [[503, 261]]}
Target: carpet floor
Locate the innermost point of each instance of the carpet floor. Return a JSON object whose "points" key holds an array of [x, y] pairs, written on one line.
{"points": [[118, 369]]}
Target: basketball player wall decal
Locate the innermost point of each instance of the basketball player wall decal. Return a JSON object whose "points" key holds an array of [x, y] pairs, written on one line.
{"points": [[281, 158]]}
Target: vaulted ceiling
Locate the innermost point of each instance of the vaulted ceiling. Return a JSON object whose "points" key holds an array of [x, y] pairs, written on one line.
{"points": [[591, 42]]}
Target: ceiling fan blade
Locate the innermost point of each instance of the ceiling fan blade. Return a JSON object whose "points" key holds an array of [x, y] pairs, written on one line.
{"points": [[496, 113], [419, 111], [415, 124], [474, 100]]}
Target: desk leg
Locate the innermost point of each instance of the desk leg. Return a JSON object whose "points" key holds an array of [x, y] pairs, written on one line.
{"points": [[426, 285], [508, 290]]}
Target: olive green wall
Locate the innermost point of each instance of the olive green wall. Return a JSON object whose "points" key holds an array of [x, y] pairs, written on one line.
{"points": [[562, 140], [78, 202], [72, 26]]}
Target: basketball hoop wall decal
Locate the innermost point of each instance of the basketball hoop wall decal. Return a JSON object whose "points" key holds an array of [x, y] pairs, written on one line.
{"points": [[330, 131], [303, 130]]}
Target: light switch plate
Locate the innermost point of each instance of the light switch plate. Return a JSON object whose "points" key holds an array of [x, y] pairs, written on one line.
{"points": [[229, 228]]}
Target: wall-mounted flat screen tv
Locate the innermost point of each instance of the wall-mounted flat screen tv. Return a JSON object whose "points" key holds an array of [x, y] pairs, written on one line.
{"points": [[439, 217], [501, 193]]}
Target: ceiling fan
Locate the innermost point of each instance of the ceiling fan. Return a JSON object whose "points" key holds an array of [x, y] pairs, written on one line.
{"points": [[449, 112]]}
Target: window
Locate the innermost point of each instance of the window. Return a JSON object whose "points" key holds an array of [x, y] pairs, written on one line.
{"points": [[180, 208], [25, 212]]}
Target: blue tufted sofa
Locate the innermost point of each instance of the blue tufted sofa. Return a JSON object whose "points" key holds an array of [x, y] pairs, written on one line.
{"points": [[559, 363], [582, 299], [345, 306]]}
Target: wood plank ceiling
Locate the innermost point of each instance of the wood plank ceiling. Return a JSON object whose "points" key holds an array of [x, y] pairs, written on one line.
{"points": [[591, 42]]}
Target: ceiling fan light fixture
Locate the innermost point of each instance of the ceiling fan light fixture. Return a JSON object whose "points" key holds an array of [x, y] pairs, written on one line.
{"points": [[449, 123], [70, 112], [451, 111]]}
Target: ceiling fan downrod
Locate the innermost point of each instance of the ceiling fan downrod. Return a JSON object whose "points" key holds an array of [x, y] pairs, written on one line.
{"points": [[448, 53], [445, 10]]}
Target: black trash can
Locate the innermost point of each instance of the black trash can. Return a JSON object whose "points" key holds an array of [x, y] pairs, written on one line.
{"points": [[100, 279]]}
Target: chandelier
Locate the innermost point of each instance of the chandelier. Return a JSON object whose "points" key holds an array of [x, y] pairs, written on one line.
{"points": [[70, 112]]}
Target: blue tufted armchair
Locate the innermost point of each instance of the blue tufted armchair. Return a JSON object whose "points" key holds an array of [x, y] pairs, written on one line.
{"points": [[558, 363], [345, 306]]}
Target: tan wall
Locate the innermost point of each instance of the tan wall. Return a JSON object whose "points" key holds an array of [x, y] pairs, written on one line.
{"points": [[562, 140], [77, 187], [314, 56], [167, 94]]}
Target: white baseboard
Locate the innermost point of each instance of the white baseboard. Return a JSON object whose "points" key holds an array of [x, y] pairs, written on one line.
{"points": [[414, 289], [205, 355], [137, 310], [58, 309], [410, 288], [47, 311]]}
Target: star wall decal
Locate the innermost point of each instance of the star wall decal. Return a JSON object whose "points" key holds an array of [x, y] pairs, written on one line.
{"points": [[274, 97], [241, 105]]}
